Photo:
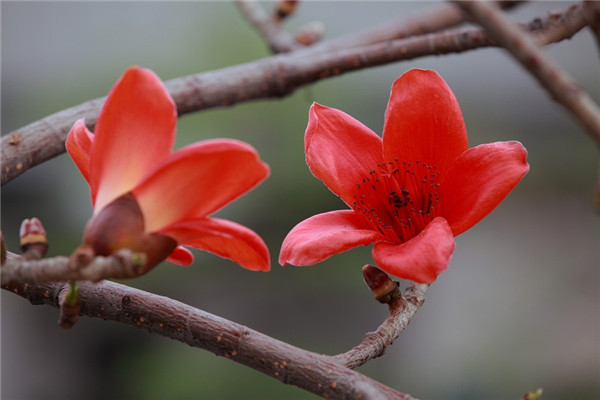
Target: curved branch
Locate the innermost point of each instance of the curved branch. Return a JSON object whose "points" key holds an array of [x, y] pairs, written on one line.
{"points": [[316, 373], [557, 82], [271, 77], [401, 311]]}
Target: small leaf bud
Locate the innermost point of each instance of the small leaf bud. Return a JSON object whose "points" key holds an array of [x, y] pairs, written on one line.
{"points": [[285, 8], [33, 238], [310, 33]]}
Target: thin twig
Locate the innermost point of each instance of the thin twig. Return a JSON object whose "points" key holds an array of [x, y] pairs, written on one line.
{"points": [[272, 77], [271, 29], [316, 373], [561, 86], [374, 344]]}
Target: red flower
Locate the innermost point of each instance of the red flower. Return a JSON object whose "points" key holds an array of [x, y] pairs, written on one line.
{"points": [[409, 193], [150, 200]]}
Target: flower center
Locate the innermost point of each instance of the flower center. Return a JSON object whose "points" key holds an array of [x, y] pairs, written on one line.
{"points": [[399, 198]]}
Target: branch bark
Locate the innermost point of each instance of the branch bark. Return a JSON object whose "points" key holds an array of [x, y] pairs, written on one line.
{"points": [[272, 77], [559, 84], [319, 374]]}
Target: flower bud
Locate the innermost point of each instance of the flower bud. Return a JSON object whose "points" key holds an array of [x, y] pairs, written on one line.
{"points": [[33, 237], [384, 288]]}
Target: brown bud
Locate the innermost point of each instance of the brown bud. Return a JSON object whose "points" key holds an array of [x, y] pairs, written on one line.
{"points": [[310, 33], [384, 288], [33, 238], [285, 8]]}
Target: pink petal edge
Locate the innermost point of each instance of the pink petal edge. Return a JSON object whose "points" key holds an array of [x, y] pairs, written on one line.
{"points": [[224, 238], [323, 235], [79, 146]]}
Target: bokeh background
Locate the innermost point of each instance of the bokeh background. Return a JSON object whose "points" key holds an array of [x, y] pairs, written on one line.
{"points": [[518, 308]]}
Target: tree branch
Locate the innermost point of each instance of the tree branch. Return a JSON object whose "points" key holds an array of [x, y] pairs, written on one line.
{"points": [[123, 264], [374, 344], [320, 374], [561, 86], [274, 76]]}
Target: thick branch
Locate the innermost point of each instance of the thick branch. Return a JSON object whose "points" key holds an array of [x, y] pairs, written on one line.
{"points": [[523, 47], [374, 344], [274, 76], [319, 374]]}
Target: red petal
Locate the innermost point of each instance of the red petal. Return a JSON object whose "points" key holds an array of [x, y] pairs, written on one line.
{"points": [[479, 180], [79, 146], [223, 238], [422, 258], [181, 256], [135, 131], [198, 180], [340, 151], [323, 235], [423, 121]]}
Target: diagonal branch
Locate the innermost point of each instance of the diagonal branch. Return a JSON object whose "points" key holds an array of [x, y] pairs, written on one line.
{"points": [[271, 77], [559, 84], [320, 374]]}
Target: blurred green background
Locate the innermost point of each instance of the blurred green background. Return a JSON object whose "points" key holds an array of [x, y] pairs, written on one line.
{"points": [[517, 309]]}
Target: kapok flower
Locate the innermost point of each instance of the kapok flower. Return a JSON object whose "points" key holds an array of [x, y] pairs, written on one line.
{"points": [[411, 192], [150, 200]]}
